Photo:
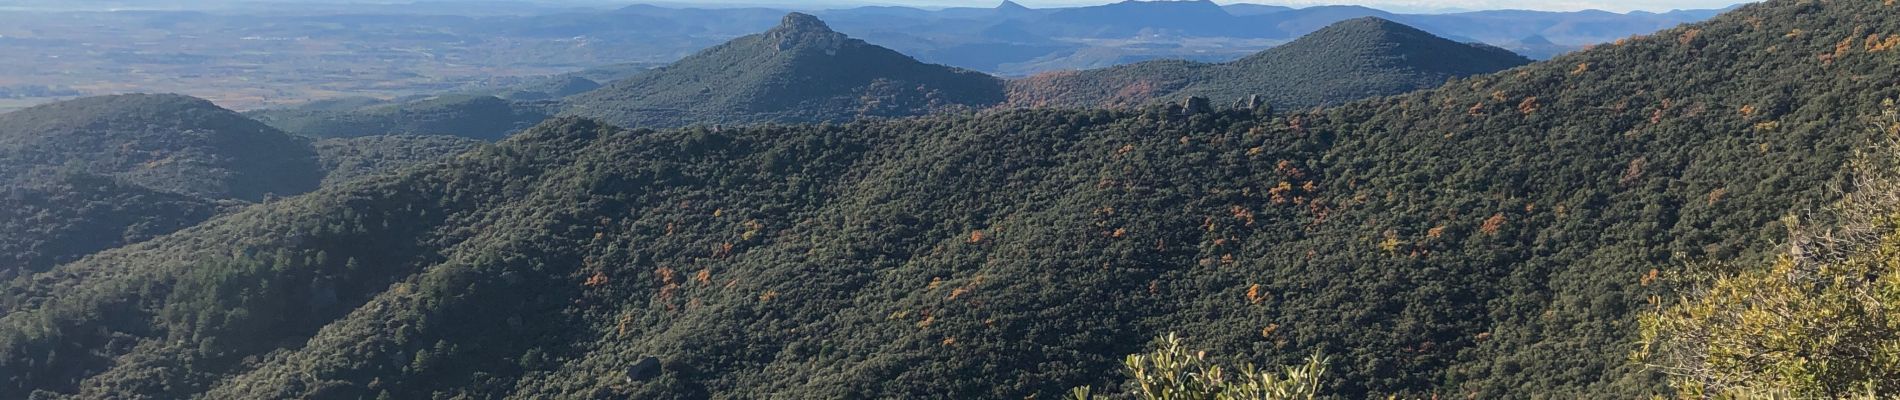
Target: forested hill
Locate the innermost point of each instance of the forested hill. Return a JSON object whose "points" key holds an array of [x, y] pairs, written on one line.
{"points": [[167, 142], [1349, 60], [799, 71], [471, 116], [1490, 238], [85, 175]]}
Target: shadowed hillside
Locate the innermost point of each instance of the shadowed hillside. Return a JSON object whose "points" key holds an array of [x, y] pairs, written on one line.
{"points": [[86, 175]]}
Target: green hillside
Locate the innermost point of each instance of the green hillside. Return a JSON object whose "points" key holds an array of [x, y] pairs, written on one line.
{"points": [[86, 175], [348, 159], [92, 174], [1350, 60], [550, 88], [799, 71], [71, 215], [471, 116], [1494, 237], [166, 142]]}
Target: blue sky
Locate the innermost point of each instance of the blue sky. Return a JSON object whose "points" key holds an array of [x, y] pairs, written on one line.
{"points": [[1392, 5]]}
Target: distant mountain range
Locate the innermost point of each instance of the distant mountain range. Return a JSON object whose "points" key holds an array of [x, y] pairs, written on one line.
{"points": [[1013, 40], [803, 71], [1021, 40], [297, 52]]}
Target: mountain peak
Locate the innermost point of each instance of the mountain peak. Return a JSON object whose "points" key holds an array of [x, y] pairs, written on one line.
{"points": [[800, 71], [1010, 5], [1381, 57], [1375, 29], [1396, 44], [802, 22], [800, 30], [1371, 24]]}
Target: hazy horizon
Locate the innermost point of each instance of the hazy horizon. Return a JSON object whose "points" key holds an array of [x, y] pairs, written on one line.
{"points": [[1621, 6], [1402, 6]]}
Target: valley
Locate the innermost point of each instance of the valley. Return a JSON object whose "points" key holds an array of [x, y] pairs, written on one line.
{"points": [[1372, 206]]}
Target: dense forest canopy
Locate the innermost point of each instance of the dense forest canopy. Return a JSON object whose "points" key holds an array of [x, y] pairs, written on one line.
{"points": [[1496, 236], [168, 142], [1817, 321], [471, 116], [86, 175], [348, 159], [353, 131]]}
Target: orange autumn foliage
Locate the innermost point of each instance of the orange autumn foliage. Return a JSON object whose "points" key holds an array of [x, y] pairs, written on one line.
{"points": [[1492, 225], [598, 279]]}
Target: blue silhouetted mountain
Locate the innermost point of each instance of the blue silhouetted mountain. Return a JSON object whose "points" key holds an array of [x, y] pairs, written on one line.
{"points": [[1247, 9], [1136, 17]]}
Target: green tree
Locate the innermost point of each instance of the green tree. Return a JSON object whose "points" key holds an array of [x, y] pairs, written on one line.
{"points": [[1822, 321], [1172, 372]]}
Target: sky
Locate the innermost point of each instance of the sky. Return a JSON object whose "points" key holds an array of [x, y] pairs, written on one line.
{"points": [[1389, 5], [1406, 6]]}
